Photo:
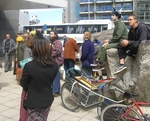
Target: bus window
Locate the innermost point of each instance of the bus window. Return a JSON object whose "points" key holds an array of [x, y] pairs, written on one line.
{"points": [[86, 28], [97, 28], [61, 29], [104, 27], [28, 29], [73, 29], [50, 28]]}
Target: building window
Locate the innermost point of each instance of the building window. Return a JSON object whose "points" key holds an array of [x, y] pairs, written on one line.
{"points": [[83, 8], [103, 16]]}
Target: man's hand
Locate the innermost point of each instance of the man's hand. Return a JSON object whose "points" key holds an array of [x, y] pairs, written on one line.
{"points": [[124, 43], [104, 45], [105, 41]]}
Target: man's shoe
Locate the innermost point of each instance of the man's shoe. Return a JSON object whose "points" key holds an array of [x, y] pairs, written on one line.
{"points": [[9, 69], [120, 69], [56, 95], [5, 71]]}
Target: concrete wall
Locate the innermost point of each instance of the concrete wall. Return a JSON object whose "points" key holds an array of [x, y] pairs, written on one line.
{"points": [[73, 11], [24, 17], [9, 20]]}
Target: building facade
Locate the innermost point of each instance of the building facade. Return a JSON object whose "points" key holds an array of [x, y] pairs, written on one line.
{"points": [[102, 9], [142, 10], [24, 18], [73, 7]]}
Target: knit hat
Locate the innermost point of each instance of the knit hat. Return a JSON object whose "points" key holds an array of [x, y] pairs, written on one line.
{"points": [[19, 39]]}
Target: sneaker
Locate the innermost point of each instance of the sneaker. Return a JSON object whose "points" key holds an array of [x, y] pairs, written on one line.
{"points": [[133, 56], [120, 69]]}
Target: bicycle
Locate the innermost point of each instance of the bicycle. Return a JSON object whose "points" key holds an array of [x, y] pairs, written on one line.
{"points": [[121, 112]]}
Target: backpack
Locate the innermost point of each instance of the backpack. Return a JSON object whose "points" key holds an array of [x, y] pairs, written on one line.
{"points": [[72, 72], [148, 28]]}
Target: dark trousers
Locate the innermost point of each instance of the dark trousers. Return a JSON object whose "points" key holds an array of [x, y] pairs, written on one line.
{"points": [[129, 50], [8, 61], [68, 63]]}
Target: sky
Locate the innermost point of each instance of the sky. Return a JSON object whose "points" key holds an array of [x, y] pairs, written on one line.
{"points": [[47, 15]]}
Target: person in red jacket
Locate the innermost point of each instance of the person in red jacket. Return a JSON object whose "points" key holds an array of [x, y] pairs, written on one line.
{"points": [[70, 50]]}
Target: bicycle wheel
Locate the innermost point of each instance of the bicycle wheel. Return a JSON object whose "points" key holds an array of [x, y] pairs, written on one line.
{"points": [[70, 99], [115, 112]]}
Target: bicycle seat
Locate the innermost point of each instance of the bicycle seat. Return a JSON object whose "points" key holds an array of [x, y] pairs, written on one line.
{"points": [[128, 95]]}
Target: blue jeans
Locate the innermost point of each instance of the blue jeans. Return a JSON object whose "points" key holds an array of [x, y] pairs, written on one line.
{"points": [[68, 63], [87, 71], [56, 83]]}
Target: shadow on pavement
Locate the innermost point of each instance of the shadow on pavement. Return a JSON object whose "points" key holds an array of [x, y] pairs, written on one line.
{"points": [[3, 84]]}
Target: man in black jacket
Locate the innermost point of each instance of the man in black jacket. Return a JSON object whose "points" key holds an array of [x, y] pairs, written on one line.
{"points": [[137, 33]]}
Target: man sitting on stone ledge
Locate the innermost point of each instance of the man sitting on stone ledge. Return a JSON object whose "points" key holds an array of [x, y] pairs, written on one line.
{"points": [[137, 33], [120, 33]]}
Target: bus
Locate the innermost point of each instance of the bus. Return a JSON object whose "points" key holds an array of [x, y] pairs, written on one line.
{"points": [[74, 30]]}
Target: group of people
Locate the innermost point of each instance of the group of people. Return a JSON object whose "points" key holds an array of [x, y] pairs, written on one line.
{"points": [[40, 78], [126, 42]]}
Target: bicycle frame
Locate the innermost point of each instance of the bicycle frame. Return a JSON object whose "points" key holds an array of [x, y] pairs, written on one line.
{"points": [[135, 104]]}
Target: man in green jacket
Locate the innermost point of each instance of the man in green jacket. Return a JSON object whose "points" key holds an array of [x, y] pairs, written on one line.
{"points": [[120, 33]]}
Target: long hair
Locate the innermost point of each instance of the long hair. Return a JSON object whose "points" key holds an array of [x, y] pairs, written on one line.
{"points": [[41, 50], [28, 39], [54, 38]]}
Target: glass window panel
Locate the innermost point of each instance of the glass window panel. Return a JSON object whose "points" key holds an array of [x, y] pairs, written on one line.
{"points": [[99, 28], [84, 8], [108, 8], [61, 29], [73, 29], [119, 6], [103, 17], [84, 17], [127, 6], [50, 28], [92, 8], [86, 28], [100, 7], [125, 17]]}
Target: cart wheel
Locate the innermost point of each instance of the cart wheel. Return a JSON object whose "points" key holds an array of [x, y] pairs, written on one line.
{"points": [[70, 99]]}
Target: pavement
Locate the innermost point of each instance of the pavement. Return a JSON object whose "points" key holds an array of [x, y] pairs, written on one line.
{"points": [[10, 94]]}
